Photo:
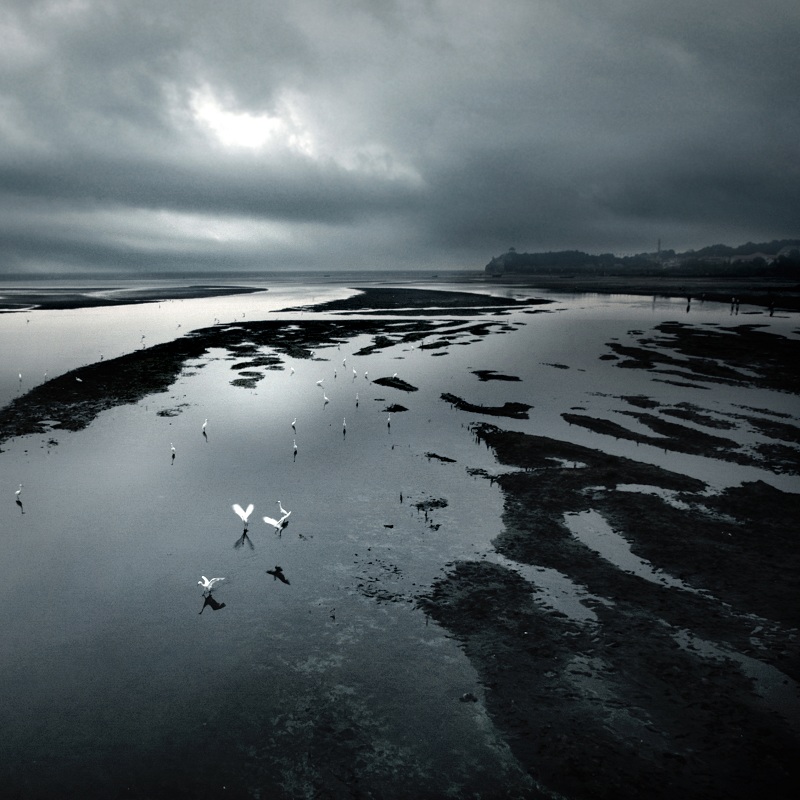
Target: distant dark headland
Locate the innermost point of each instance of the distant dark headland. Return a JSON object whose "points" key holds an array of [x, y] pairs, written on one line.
{"points": [[776, 259], [766, 274]]}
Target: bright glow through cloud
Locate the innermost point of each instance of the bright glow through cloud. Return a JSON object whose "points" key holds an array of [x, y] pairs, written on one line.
{"points": [[250, 130]]}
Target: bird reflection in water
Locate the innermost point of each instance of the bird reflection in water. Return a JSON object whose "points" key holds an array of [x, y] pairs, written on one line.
{"points": [[208, 600], [277, 574], [242, 540]]}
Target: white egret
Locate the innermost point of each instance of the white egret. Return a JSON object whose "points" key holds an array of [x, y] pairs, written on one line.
{"points": [[19, 491], [325, 399], [366, 375], [344, 424], [355, 374], [278, 524], [294, 446], [205, 424], [356, 398], [291, 370], [243, 514], [294, 424], [283, 511], [319, 382], [208, 583], [344, 361]]}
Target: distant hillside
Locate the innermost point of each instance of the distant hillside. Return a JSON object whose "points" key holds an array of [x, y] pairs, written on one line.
{"points": [[777, 258]]}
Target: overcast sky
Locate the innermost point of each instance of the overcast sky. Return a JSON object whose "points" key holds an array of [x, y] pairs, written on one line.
{"points": [[142, 135]]}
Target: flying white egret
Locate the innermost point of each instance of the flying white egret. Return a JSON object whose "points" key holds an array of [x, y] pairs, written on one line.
{"points": [[243, 514], [208, 583]]}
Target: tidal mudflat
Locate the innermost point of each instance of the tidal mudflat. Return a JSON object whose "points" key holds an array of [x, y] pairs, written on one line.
{"points": [[536, 549]]}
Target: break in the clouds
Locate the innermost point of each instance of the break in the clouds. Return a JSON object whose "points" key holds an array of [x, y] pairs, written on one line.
{"points": [[139, 135]]}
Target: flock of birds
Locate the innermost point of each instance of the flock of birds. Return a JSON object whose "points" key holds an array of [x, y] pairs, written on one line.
{"points": [[279, 523], [244, 514]]}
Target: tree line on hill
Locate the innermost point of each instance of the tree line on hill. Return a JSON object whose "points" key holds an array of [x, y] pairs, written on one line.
{"points": [[779, 258]]}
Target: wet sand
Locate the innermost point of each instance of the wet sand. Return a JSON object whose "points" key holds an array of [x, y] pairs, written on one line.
{"points": [[33, 298], [655, 695]]}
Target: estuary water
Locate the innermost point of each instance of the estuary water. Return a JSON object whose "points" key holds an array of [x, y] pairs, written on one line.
{"points": [[119, 677]]}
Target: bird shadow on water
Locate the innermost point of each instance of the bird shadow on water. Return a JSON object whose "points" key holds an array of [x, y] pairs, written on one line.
{"points": [[242, 540], [277, 574], [208, 600]]}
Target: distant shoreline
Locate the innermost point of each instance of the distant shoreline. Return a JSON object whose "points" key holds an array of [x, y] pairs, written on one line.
{"points": [[782, 295], [29, 299], [749, 291]]}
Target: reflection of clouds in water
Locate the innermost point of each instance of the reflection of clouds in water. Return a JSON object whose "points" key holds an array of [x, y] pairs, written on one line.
{"points": [[349, 505], [591, 529], [554, 589]]}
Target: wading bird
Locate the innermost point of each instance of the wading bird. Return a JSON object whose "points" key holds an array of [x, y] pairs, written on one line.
{"points": [[208, 583], [278, 524], [244, 515]]}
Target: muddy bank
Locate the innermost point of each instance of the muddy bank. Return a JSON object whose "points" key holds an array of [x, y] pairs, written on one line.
{"points": [[72, 400], [643, 694], [737, 355], [29, 298], [416, 301]]}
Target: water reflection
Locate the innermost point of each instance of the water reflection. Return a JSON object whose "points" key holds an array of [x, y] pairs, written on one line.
{"points": [[277, 574], [210, 601], [242, 540]]}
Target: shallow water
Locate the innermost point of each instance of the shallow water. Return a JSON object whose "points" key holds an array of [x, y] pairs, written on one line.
{"points": [[112, 674]]}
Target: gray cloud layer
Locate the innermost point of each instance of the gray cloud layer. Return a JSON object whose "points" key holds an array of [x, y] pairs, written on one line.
{"points": [[143, 135]]}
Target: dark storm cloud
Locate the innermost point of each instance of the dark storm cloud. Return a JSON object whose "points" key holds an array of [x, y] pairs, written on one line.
{"points": [[146, 135]]}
